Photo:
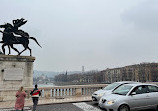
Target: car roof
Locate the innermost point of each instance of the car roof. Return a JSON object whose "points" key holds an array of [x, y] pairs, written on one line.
{"points": [[121, 82], [138, 84]]}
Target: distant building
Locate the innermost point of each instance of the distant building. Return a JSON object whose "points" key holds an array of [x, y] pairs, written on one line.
{"points": [[83, 70], [144, 72]]}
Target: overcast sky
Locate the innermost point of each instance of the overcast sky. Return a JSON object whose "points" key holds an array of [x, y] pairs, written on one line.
{"points": [[97, 34]]}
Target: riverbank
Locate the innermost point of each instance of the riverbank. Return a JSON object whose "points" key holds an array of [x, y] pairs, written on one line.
{"points": [[46, 85], [66, 83], [74, 83]]}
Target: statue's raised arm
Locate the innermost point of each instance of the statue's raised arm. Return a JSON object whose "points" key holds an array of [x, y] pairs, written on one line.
{"points": [[18, 23]]}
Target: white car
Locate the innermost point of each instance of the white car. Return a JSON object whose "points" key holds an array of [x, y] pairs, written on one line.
{"points": [[131, 97], [108, 90]]}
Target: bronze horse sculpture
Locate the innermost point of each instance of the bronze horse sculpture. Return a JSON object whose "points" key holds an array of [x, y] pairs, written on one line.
{"points": [[9, 39]]}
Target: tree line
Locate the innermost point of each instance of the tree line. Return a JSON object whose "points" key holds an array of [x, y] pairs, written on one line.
{"points": [[86, 77]]}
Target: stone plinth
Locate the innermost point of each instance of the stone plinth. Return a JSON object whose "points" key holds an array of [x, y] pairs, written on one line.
{"points": [[16, 71]]}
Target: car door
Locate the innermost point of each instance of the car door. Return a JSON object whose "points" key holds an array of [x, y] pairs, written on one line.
{"points": [[152, 96], [138, 98]]}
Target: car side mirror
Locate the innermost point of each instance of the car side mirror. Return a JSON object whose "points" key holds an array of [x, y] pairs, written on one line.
{"points": [[133, 93]]}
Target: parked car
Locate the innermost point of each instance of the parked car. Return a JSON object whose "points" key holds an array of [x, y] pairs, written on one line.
{"points": [[108, 90], [131, 97]]}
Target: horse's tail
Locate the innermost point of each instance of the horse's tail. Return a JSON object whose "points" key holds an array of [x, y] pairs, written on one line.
{"points": [[35, 40]]}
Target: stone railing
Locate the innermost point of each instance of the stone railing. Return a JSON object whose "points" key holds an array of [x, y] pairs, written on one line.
{"points": [[58, 92]]}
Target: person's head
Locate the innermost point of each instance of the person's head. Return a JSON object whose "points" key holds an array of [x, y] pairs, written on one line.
{"points": [[36, 86], [21, 88]]}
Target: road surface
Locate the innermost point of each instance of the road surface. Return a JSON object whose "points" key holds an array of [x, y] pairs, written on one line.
{"points": [[81, 106]]}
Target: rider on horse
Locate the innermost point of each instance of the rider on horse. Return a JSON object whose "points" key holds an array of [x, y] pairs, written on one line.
{"points": [[9, 38], [8, 31]]}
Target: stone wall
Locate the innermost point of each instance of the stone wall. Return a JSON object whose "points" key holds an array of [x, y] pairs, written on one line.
{"points": [[16, 71]]}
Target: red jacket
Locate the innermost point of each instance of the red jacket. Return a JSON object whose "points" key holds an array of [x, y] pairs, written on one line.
{"points": [[35, 92]]}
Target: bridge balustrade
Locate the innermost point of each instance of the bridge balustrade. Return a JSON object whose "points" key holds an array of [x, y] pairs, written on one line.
{"points": [[57, 92]]}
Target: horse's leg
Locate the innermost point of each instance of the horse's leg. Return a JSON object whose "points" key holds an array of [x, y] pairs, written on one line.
{"points": [[30, 51], [3, 49], [25, 45], [9, 50], [14, 49], [22, 51]]}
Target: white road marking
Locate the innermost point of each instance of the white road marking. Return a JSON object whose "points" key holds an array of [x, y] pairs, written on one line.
{"points": [[13, 109], [86, 107]]}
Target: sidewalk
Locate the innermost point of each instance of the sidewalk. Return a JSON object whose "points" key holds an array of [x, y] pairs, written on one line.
{"points": [[10, 104]]}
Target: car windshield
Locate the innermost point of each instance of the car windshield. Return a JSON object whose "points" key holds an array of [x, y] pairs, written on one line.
{"points": [[122, 90], [111, 86]]}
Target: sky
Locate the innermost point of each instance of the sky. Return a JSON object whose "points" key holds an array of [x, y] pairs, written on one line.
{"points": [[96, 34]]}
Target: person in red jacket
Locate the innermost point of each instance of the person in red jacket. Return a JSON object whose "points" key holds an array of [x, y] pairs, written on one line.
{"points": [[35, 93]]}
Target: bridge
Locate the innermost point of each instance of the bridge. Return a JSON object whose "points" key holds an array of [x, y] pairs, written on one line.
{"points": [[57, 98], [51, 95]]}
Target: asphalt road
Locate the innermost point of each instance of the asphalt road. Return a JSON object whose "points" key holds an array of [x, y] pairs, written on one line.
{"points": [[81, 106]]}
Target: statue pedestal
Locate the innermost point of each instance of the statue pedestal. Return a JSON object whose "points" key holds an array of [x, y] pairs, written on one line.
{"points": [[16, 71]]}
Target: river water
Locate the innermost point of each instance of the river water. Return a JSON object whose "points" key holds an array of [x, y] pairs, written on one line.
{"points": [[46, 85]]}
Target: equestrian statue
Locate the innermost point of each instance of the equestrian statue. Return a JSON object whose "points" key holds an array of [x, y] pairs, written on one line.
{"points": [[9, 36]]}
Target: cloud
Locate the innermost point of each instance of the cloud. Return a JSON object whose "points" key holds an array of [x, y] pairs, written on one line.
{"points": [[143, 16]]}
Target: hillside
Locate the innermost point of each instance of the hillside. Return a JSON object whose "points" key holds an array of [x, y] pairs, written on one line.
{"points": [[51, 73]]}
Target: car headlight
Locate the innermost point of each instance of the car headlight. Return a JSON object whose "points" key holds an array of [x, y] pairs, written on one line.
{"points": [[110, 102], [101, 94]]}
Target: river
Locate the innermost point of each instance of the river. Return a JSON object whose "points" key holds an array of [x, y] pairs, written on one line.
{"points": [[46, 85]]}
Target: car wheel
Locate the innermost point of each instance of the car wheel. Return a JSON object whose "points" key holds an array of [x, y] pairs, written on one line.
{"points": [[123, 108]]}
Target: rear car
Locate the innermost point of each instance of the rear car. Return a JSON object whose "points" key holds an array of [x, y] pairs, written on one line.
{"points": [[108, 90]]}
